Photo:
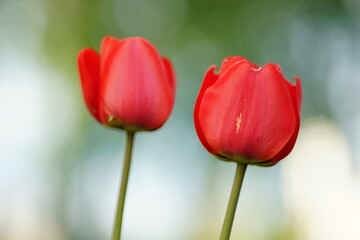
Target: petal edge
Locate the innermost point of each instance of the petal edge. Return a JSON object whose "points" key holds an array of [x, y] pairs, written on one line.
{"points": [[89, 70], [209, 79]]}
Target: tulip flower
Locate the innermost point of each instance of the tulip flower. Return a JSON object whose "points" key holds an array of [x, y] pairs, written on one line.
{"points": [[249, 115], [127, 86]]}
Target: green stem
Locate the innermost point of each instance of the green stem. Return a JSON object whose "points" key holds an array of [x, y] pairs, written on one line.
{"points": [[124, 181], [231, 209]]}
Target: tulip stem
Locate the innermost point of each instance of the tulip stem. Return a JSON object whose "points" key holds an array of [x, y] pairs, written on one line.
{"points": [[123, 186], [231, 209]]}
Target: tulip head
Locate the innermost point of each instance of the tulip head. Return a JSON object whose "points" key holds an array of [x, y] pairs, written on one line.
{"points": [[248, 114], [128, 85]]}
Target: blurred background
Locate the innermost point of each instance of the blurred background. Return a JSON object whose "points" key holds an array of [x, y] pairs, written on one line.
{"points": [[60, 170]]}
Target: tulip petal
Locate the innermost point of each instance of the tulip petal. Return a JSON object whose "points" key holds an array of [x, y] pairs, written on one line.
{"points": [[136, 86], [209, 79], [248, 112], [108, 45], [229, 61], [89, 67], [296, 97]]}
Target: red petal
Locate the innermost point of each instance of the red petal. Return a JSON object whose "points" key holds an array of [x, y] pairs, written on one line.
{"points": [[108, 45], [296, 96], [209, 79], [247, 112], [229, 61], [89, 67], [135, 89]]}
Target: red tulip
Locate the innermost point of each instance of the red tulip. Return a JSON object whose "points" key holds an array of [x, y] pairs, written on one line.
{"points": [[248, 114], [128, 85]]}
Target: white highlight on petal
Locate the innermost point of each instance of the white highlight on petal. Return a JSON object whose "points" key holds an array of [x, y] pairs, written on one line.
{"points": [[238, 122], [256, 70]]}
